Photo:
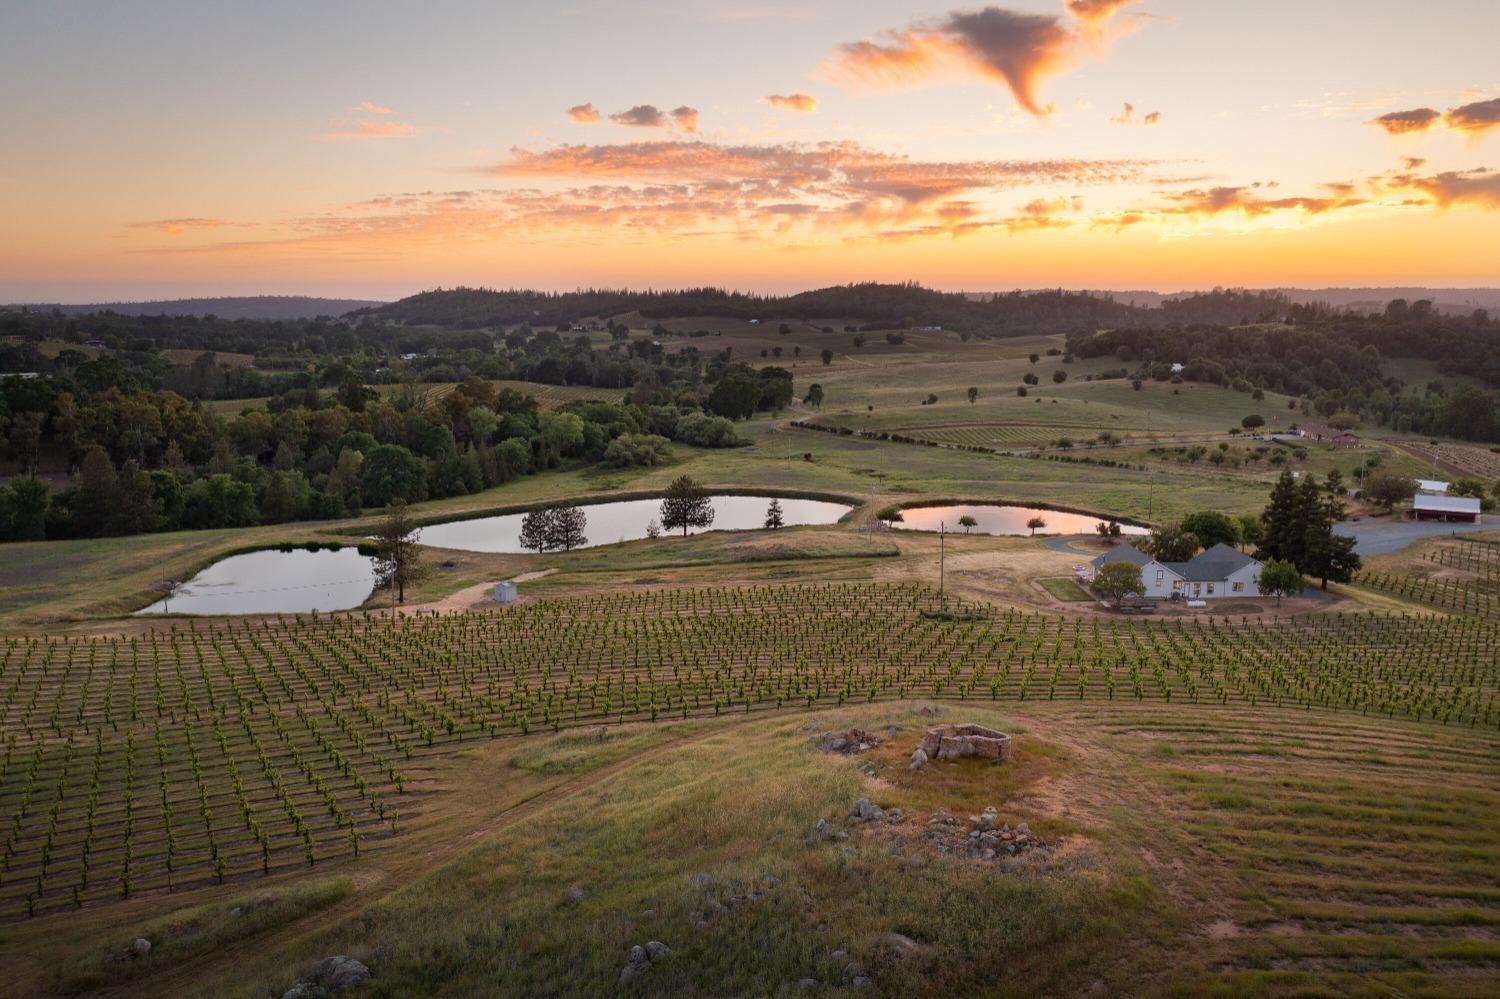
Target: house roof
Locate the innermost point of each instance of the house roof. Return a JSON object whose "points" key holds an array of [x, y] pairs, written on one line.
{"points": [[1123, 553], [1447, 504], [1211, 566], [1434, 486]]}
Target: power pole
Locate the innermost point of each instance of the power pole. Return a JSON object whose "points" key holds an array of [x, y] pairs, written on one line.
{"points": [[942, 558]]}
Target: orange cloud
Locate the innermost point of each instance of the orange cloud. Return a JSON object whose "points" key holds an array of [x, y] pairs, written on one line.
{"points": [[176, 227], [370, 108], [1475, 118], [583, 114], [371, 129], [686, 118], [1403, 122], [1480, 116], [805, 103], [1478, 188], [640, 116], [1016, 49], [1095, 10]]}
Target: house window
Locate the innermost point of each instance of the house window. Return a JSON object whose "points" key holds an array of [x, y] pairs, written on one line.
{"points": [[1237, 587], [1159, 576], [1210, 589]]}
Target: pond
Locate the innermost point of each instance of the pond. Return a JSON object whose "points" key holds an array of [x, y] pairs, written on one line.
{"points": [[995, 519], [626, 520], [275, 582]]}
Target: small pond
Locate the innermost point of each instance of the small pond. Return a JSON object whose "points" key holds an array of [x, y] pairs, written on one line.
{"points": [[994, 519], [626, 520], [275, 582]]}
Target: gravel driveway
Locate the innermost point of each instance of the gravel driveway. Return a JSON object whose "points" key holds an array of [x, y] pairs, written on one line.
{"points": [[1388, 535]]}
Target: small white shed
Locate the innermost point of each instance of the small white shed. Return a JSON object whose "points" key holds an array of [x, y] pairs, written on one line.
{"points": [[505, 593]]}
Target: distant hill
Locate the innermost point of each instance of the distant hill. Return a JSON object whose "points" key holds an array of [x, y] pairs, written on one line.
{"points": [[246, 307], [878, 305], [1453, 301]]}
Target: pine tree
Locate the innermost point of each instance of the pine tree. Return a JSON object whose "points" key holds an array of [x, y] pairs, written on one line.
{"points": [[568, 523], [1284, 527], [397, 554], [686, 505], [774, 519], [536, 530]]}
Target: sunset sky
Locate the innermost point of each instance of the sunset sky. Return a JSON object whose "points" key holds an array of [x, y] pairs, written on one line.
{"points": [[168, 149]]}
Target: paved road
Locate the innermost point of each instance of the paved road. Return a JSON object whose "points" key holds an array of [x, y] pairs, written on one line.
{"points": [[1388, 535]]}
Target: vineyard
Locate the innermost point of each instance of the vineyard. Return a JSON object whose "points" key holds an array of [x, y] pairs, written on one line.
{"points": [[1477, 592], [227, 750], [1011, 436]]}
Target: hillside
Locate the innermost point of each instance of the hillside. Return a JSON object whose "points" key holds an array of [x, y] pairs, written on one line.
{"points": [[881, 305], [240, 307]]}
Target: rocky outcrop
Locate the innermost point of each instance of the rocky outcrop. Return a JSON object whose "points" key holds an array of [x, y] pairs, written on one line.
{"points": [[956, 741]]}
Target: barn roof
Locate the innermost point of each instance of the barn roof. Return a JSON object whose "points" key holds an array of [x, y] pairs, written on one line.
{"points": [[1447, 504]]}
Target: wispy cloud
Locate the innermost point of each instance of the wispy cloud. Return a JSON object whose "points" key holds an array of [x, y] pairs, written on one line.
{"points": [[370, 128], [805, 103], [1020, 50], [1478, 188], [369, 107], [1127, 116], [685, 118], [1403, 122], [583, 114], [176, 227]]}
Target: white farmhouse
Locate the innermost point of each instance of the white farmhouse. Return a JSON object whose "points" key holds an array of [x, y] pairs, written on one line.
{"points": [[1221, 571]]}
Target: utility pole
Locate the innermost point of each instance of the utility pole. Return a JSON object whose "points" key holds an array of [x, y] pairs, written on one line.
{"points": [[942, 558]]}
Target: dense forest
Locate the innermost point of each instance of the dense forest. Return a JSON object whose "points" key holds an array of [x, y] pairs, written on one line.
{"points": [[146, 453], [1336, 362], [890, 305]]}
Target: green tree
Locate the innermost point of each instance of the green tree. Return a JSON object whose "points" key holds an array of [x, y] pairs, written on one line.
{"points": [[279, 504], [1250, 528], [398, 556], [967, 522], [1172, 543], [827, 356], [1211, 528], [1117, 580], [735, 395], [973, 394], [889, 515], [568, 525], [1059, 376], [1280, 578], [133, 506], [1252, 421], [686, 504], [27, 502], [774, 519], [1036, 524], [91, 500], [1388, 489], [536, 530], [389, 472], [814, 395]]}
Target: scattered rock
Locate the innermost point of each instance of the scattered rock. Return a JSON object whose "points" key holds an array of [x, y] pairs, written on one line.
{"points": [[656, 950], [330, 976], [140, 947], [701, 880], [637, 963], [849, 743], [573, 894], [822, 831], [861, 982], [807, 984], [901, 943], [865, 811], [918, 759]]}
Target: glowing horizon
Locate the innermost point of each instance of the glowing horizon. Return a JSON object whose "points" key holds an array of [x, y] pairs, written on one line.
{"points": [[207, 149]]}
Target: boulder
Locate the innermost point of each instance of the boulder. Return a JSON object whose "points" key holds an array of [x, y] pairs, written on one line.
{"points": [[637, 963], [866, 811], [573, 894], [918, 759], [656, 950], [339, 973], [139, 947]]}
